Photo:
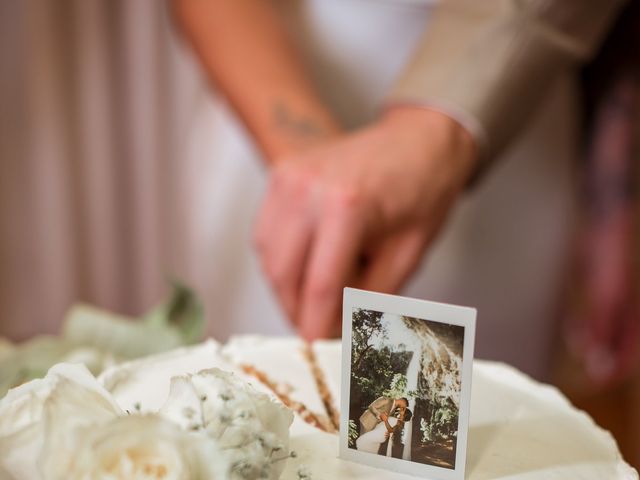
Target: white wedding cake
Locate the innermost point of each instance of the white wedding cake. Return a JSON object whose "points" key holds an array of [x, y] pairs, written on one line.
{"points": [[519, 429]]}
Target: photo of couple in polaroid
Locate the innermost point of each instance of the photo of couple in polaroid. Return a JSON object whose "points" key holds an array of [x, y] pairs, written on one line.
{"points": [[382, 425], [406, 383]]}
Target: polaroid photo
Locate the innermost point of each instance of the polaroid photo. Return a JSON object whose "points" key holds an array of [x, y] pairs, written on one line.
{"points": [[406, 384]]}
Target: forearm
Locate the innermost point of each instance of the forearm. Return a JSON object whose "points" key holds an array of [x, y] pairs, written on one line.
{"points": [[389, 427], [247, 55]]}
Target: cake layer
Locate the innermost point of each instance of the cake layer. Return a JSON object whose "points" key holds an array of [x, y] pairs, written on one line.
{"points": [[519, 429], [523, 430], [284, 364], [143, 384]]}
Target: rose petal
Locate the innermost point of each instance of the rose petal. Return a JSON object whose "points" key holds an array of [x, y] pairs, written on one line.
{"points": [[22, 429]]}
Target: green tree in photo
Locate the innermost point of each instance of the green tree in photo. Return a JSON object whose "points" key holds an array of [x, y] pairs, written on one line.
{"points": [[377, 369], [367, 324], [353, 433]]}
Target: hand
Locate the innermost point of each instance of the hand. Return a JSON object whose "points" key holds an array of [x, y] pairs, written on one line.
{"points": [[360, 211], [384, 417]]}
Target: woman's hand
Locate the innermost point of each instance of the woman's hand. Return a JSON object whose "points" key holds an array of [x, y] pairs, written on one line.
{"points": [[359, 210]]}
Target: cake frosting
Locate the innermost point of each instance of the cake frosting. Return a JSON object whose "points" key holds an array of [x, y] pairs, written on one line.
{"points": [[284, 364], [519, 429], [143, 384]]}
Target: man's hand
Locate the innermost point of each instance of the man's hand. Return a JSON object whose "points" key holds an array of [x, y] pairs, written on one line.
{"points": [[359, 211]]}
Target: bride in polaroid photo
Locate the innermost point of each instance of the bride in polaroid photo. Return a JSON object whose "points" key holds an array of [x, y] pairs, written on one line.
{"points": [[389, 426]]}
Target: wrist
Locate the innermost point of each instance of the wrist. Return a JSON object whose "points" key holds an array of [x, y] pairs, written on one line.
{"points": [[427, 129], [294, 126]]}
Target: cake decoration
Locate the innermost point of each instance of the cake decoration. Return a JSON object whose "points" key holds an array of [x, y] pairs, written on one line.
{"points": [[211, 426], [519, 429], [282, 365], [323, 388]]}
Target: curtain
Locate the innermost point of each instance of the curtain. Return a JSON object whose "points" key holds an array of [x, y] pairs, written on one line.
{"points": [[95, 100]]}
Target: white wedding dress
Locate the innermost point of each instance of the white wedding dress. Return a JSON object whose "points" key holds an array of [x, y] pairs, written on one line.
{"points": [[370, 441], [504, 249]]}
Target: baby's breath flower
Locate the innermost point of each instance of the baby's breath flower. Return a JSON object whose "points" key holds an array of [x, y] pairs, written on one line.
{"points": [[249, 427]]}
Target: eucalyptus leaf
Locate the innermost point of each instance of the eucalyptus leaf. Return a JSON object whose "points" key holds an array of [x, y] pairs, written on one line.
{"points": [[122, 336], [6, 348], [99, 339], [183, 311], [30, 360]]}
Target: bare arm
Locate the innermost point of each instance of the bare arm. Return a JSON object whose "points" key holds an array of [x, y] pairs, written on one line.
{"points": [[307, 252], [389, 427], [362, 209], [378, 197], [246, 52]]}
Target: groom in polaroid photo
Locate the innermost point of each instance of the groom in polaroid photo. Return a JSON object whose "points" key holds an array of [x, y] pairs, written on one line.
{"points": [[379, 410], [383, 421]]}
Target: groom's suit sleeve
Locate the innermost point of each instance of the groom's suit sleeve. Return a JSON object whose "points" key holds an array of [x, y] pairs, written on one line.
{"points": [[488, 63], [379, 406]]}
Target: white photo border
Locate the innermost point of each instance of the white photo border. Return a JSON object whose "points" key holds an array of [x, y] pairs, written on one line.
{"points": [[421, 309]]}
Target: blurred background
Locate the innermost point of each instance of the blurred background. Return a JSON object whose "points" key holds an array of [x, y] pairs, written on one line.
{"points": [[107, 127], [106, 185]]}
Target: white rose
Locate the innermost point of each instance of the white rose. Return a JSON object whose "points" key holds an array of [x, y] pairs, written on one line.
{"points": [[251, 428], [22, 411], [66, 426], [133, 447]]}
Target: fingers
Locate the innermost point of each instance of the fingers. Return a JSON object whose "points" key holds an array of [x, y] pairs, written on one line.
{"points": [[310, 241], [394, 261], [283, 234], [336, 246]]}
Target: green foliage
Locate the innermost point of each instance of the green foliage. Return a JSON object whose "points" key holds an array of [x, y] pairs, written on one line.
{"points": [[379, 369], [439, 414], [375, 370], [366, 325], [182, 311], [98, 338], [442, 424], [425, 428], [398, 388], [353, 433]]}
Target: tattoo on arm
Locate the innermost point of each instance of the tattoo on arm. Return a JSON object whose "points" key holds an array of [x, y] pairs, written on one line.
{"points": [[301, 127]]}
